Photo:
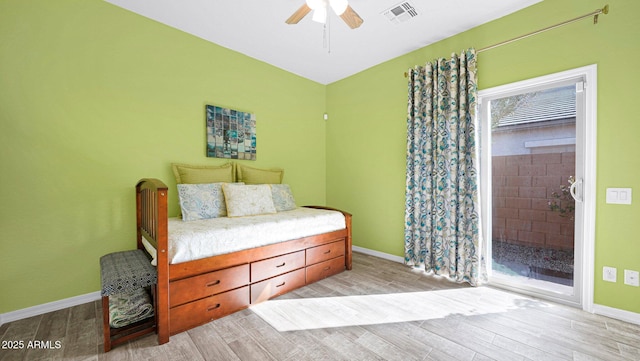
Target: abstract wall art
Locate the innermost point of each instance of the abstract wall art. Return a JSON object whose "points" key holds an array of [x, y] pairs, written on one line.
{"points": [[231, 133]]}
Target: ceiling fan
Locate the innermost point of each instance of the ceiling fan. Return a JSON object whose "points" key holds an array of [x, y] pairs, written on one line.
{"points": [[319, 7]]}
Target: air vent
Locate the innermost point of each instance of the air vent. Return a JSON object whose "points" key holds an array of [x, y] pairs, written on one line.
{"points": [[400, 13]]}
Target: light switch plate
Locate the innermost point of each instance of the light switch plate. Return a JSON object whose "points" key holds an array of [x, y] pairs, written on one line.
{"points": [[619, 195]]}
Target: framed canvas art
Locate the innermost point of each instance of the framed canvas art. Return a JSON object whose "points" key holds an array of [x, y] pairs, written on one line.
{"points": [[231, 133]]}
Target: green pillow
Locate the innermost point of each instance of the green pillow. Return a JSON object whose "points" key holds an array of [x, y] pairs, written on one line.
{"points": [[199, 174], [250, 175]]}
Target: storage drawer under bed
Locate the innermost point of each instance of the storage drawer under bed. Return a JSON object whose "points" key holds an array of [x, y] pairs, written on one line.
{"points": [[207, 309], [270, 267], [325, 252], [324, 269], [275, 286], [197, 287]]}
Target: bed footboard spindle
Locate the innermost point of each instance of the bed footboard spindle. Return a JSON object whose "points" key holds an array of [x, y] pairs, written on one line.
{"points": [[149, 212]]}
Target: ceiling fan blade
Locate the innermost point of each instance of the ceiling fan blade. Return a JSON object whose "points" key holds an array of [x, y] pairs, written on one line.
{"points": [[298, 15], [351, 18]]}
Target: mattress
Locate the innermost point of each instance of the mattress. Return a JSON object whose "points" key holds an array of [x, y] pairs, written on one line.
{"points": [[194, 240]]}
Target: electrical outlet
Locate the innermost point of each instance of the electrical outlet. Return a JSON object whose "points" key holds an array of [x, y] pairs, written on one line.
{"points": [[631, 278], [609, 274]]}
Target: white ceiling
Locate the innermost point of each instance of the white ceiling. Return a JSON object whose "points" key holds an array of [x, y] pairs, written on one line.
{"points": [[257, 29]]}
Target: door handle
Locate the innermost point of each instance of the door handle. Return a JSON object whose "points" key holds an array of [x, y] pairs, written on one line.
{"points": [[574, 192]]}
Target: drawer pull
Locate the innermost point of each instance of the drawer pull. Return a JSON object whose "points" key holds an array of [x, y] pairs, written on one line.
{"points": [[214, 307], [280, 285], [211, 284], [327, 268], [327, 252], [281, 265]]}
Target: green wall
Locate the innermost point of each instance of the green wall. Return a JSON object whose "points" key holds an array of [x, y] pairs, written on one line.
{"points": [[367, 125], [82, 80], [93, 98]]}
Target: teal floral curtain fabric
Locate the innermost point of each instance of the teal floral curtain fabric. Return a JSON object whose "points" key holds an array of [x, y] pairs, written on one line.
{"points": [[442, 228]]}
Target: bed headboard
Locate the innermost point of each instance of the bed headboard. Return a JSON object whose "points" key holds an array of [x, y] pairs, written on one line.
{"points": [[152, 224], [151, 206]]}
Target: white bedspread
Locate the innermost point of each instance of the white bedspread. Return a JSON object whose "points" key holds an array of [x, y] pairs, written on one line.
{"points": [[209, 237]]}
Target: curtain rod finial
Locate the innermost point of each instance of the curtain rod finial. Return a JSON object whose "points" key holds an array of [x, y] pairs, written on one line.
{"points": [[604, 10]]}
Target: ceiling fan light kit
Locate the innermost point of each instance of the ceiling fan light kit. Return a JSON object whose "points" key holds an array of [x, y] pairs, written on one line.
{"points": [[319, 15], [339, 6], [319, 7]]}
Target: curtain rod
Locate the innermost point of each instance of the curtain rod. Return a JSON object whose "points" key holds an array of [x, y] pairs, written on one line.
{"points": [[604, 10]]}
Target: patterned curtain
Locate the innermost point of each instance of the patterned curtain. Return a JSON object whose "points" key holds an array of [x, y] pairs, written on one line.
{"points": [[442, 228]]}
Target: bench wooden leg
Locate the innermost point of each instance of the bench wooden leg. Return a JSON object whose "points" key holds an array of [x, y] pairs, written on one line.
{"points": [[106, 328]]}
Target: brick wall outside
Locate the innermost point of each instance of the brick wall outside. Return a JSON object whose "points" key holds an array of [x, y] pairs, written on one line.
{"points": [[522, 188]]}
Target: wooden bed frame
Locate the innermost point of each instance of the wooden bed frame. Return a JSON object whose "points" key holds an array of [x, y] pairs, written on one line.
{"points": [[193, 293]]}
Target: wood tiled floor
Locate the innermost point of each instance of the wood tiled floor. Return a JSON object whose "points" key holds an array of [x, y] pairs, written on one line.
{"points": [[381, 310]]}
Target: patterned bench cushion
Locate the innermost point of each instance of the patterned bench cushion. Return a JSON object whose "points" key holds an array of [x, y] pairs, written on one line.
{"points": [[126, 271]]}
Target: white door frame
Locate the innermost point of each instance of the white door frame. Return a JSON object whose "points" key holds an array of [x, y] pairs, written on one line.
{"points": [[588, 74]]}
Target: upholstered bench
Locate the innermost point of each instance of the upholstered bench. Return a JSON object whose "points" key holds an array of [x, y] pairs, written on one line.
{"points": [[126, 274]]}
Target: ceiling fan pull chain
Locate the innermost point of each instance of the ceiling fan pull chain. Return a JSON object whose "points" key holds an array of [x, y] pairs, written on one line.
{"points": [[326, 36]]}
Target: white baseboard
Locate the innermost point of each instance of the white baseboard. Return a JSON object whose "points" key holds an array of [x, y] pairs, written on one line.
{"points": [[378, 254], [611, 312], [90, 297], [48, 307], [618, 314]]}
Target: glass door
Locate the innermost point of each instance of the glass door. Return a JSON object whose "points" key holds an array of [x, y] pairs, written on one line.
{"points": [[533, 170]]}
